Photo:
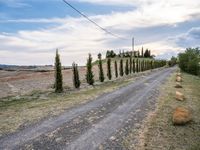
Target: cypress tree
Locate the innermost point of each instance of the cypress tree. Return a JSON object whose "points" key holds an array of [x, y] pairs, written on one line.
{"points": [[139, 63], [142, 64], [151, 64], [131, 64], [58, 74], [76, 80], [116, 69], [142, 52], [127, 68], [121, 69], [109, 74], [89, 74], [101, 74], [145, 66], [137, 66]]}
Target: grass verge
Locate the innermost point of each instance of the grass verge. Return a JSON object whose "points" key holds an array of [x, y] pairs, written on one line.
{"points": [[158, 132]]}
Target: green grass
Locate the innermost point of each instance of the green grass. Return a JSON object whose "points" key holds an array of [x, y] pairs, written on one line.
{"points": [[158, 132]]}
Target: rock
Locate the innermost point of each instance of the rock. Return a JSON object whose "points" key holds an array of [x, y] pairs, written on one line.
{"points": [[178, 74], [181, 116], [179, 96], [112, 138], [178, 85], [178, 79]]}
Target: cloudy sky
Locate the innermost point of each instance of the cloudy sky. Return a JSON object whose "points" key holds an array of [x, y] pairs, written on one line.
{"points": [[31, 30]]}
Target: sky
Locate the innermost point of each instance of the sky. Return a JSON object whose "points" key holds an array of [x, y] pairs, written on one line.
{"points": [[32, 30]]}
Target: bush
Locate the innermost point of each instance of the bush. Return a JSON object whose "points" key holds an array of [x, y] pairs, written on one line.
{"points": [[189, 61]]}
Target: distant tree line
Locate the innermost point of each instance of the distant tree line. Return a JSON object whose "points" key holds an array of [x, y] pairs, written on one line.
{"points": [[131, 65], [123, 54]]}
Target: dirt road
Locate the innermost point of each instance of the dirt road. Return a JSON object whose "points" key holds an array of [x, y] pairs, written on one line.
{"points": [[99, 124]]}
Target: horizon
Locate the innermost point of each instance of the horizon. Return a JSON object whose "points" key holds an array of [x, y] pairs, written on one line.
{"points": [[29, 36]]}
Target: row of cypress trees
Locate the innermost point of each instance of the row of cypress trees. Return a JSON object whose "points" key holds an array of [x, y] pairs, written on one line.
{"points": [[131, 66]]}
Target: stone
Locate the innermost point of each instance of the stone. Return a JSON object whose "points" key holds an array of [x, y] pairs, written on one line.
{"points": [[178, 79], [179, 96], [178, 85], [178, 74], [181, 116]]}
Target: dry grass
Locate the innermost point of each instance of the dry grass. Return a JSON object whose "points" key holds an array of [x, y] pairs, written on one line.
{"points": [[160, 131], [16, 112]]}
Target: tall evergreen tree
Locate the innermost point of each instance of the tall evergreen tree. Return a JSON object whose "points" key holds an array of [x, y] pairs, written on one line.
{"points": [[127, 68], [121, 68], [109, 73], [151, 64], [131, 64], [58, 74], [101, 74], [89, 73], [137, 65], [142, 65], [76, 80], [142, 52], [116, 69]]}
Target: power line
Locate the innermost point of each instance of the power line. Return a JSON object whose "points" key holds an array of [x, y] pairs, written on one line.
{"points": [[105, 30]]}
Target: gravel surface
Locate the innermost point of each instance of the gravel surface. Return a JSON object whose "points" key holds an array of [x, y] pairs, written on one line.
{"points": [[99, 124]]}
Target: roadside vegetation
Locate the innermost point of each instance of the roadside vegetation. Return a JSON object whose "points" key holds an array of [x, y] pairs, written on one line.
{"points": [[189, 61], [158, 131]]}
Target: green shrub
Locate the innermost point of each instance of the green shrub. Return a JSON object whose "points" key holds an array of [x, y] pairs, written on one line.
{"points": [[189, 61]]}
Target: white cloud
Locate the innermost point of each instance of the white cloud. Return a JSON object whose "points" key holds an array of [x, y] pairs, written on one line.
{"points": [[76, 37], [189, 39]]}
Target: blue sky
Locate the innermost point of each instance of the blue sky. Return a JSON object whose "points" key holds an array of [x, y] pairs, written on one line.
{"points": [[31, 30]]}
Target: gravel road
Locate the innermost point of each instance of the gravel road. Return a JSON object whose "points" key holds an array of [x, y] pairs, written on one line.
{"points": [[99, 124]]}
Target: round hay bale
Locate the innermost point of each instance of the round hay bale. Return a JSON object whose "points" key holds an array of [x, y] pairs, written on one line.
{"points": [[181, 116]]}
